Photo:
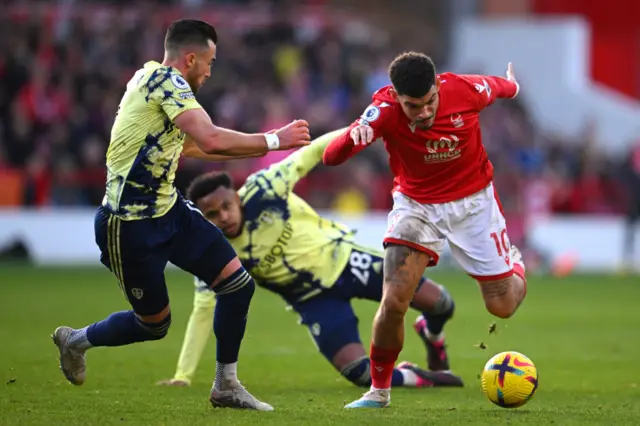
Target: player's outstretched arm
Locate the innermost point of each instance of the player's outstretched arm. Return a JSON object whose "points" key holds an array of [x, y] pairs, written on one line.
{"points": [[192, 150], [348, 143], [284, 175], [304, 160], [506, 87], [490, 88], [217, 140]]}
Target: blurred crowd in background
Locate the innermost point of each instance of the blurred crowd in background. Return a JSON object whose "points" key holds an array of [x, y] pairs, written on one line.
{"points": [[63, 74]]}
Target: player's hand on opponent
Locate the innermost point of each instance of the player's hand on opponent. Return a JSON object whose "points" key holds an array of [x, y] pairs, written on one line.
{"points": [[510, 74], [361, 135], [293, 135]]}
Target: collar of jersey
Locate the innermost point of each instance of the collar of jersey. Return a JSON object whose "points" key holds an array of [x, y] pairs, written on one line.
{"points": [[156, 64]]}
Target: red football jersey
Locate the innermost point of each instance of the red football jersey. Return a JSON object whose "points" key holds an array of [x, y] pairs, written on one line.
{"points": [[445, 163]]}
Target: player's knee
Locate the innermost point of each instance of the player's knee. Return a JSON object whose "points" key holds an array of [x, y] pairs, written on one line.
{"points": [[445, 304], [358, 372], [394, 304], [501, 308], [239, 282], [155, 330], [501, 297], [234, 296]]}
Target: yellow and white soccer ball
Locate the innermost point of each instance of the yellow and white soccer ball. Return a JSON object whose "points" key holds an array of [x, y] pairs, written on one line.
{"points": [[509, 379]]}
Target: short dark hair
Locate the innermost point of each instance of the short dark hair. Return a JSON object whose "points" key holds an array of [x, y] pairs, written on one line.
{"points": [[189, 32], [412, 74], [205, 184]]}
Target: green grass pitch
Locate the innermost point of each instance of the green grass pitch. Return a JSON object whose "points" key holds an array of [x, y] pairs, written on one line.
{"points": [[582, 332]]}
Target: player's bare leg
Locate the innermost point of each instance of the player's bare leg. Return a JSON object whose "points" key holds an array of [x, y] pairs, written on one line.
{"points": [[403, 268], [503, 296], [234, 289]]}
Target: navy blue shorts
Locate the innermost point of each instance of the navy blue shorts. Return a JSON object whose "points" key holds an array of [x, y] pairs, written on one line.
{"points": [[137, 252], [329, 315]]}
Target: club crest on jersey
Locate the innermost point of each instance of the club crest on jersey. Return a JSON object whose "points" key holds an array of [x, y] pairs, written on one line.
{"points": [[316, 329], [266, 217], [370, 114], [179, 82], [137, 293], [457, 121]]}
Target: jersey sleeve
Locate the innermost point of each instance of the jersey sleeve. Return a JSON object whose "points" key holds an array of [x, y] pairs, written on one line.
{"points": [[284, 175], [172, 92], [486, 89], [341, 148]]}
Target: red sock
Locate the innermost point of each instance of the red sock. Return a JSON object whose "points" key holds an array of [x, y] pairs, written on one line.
{"points": [[519, 271], [382, 363]]}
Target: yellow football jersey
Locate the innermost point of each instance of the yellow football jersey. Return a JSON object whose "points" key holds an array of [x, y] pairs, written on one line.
{"points": [[145, 144], [284, 244]]}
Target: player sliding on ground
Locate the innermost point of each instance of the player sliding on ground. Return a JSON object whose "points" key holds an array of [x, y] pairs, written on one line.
{"points": [[443, 192], [314, 265], [144, 222]]}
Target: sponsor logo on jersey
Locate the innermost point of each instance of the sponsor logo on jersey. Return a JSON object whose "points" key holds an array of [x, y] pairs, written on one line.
{"points": [[442, 150], [277, 250]]}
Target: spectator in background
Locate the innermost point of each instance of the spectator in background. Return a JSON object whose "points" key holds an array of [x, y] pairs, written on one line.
{"points": [[277, 115], [352, 198], [62, 76]]}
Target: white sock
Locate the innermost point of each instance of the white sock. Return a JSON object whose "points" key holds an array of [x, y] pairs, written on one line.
{"points": [[225, 373], [78, 340], [434, 337], [409, 377]]}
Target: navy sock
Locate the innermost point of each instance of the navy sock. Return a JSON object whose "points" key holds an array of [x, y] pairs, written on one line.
{"points": [[436, 322], [397, 379], [123, 328], [230, 318], [441, 313]]}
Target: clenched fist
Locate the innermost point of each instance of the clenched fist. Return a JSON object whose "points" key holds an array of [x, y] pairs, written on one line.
{"points": [[293, 135]]}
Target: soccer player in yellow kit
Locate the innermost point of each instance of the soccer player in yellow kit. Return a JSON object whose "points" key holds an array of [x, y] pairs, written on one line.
{"points": [[144, 222], [314, 265]]}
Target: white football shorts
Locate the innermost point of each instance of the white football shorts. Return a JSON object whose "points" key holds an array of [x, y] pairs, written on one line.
{"points": [[474, 226]]}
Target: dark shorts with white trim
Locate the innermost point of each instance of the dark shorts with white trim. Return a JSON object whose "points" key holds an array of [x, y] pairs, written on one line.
{"points": [[137, 251]]}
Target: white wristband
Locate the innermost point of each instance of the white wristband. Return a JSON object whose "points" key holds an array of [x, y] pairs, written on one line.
{"points": [[273, 141]]}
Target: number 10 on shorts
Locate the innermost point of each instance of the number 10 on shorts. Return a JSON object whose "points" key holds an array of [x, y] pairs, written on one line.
{"points": [[503, 246]]}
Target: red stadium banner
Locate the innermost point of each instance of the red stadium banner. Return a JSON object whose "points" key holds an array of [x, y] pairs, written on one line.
{"points": [[615, 38]]}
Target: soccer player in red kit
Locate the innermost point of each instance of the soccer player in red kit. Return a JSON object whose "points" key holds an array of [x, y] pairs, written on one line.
{"points": [[443, 191]]}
